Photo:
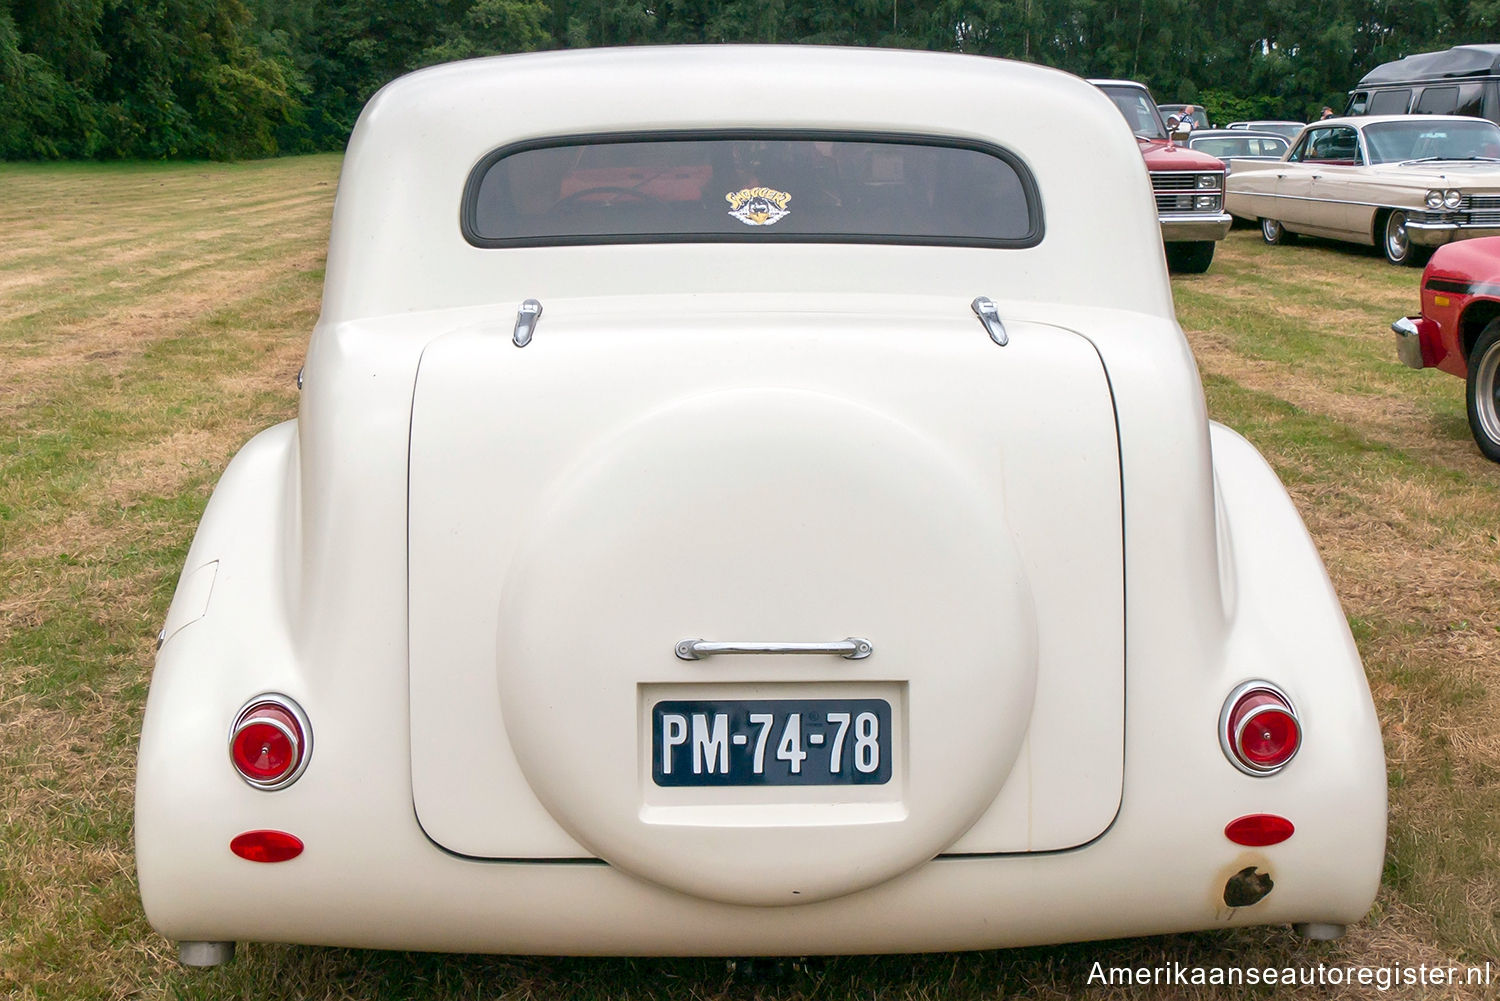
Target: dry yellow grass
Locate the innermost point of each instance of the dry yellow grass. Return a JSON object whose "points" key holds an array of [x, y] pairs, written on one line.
{"points": [[1407, 514], [153, 318]]}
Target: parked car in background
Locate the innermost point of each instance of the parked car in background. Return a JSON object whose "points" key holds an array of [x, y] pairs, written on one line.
{"points": [[1399, 182], [1287, 130], [721, 535], [1188, 185], [1463, 80], [1199, 117], [1458, 330], [1238, 144]]}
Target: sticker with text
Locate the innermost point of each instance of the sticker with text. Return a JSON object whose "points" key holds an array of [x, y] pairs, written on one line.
{"points": [[758, 206]]}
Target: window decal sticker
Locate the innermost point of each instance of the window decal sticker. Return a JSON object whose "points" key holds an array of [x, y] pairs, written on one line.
{"points": [[758, 206]]}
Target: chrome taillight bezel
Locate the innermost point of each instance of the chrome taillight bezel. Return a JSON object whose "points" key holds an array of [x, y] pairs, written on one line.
{"points": [[303, 741], [1229, 741]]}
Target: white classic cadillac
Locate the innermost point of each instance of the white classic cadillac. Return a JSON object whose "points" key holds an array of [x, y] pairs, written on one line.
{"points": [[750, 501], [1399, 182]]}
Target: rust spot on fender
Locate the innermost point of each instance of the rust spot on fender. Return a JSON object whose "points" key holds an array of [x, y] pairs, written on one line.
{"points": [[1243, 882], [1247, 887]]}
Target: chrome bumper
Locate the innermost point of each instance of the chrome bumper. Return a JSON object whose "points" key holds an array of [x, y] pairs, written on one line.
{"points": [[1435, 234], [1193, 226], [1408, 342]]}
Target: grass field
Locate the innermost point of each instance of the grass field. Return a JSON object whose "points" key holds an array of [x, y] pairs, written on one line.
{"points": [[152, 318]]}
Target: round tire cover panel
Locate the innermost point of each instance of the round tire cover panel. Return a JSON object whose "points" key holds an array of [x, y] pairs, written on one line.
{"points": [[766, 516]]}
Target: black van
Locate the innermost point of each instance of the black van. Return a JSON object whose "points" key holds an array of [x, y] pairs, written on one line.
{"points": [[1457, 81]]}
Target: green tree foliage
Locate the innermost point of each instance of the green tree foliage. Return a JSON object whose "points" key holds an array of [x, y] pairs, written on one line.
{"points": [[41, 111], [492, 27], [137, 78], [238, 78]]}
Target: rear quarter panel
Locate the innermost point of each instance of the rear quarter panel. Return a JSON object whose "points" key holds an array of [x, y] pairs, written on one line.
{"points": [[1251, 187]]}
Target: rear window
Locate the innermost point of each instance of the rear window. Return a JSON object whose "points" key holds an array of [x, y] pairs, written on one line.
{"points": [[752, 187], [1232, 146]]}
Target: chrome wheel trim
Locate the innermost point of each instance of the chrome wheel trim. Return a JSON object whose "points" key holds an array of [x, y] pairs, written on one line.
{"points": [[1487, 393], [1397, 244], [1270, 230]]}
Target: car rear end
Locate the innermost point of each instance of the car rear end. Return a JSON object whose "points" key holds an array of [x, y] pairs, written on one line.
{"points": [[808, 581]]}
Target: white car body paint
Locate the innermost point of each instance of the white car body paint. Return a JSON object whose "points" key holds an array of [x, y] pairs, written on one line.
{"points": [[470, 564]]}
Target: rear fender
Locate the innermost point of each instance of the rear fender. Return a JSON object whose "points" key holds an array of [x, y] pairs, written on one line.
{"points": [[1285, 625], [228, 639]]}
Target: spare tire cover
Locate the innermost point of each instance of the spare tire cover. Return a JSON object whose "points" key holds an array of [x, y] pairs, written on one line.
{"points": [[766, 515]]}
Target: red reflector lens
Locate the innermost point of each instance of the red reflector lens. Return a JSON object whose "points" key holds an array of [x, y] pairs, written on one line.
{"points": [[266, 846], [1258, 830]]}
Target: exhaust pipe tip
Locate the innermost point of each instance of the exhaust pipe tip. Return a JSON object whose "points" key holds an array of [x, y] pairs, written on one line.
{"points": [[200, 954], [1319, 931]]}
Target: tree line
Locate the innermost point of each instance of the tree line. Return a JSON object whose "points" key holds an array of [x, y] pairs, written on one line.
{"points": [[228, 79]]}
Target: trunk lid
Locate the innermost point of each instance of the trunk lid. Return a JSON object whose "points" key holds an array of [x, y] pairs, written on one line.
{"points": [[732, 469]]}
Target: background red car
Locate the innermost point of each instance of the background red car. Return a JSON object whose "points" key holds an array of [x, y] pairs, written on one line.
{"points": [[1459, 330], [1188, 185]]}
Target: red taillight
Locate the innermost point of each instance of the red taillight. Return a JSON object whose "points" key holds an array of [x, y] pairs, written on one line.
{"points": [[266, 846], [1258, 728], [1259, 830], [269, 742]]}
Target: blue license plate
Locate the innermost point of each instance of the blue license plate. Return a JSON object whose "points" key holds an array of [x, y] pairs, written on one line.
{"points": [[771, 742]]}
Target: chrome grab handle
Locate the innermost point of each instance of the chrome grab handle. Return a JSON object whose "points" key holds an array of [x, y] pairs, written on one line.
{"points": [[853, 648], [527, 314], [989, 314]]}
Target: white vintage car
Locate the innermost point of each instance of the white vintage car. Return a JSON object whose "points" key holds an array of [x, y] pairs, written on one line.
{"points": [[746, 501], [1399, 182]]}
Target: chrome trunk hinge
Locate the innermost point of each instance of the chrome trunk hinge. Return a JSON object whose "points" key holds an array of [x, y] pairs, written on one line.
{"points": [[526, 317], [989, 315]]}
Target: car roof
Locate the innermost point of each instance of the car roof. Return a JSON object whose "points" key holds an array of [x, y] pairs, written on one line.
{"points": [[423, 135], [1455, 63], [1120, 83], [1234, 134], [1361, 121]]}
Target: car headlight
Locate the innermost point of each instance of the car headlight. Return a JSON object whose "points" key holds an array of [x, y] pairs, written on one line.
{"points": [[1451, 198], [1434, 199], [1208, 180], [1207, 202]]}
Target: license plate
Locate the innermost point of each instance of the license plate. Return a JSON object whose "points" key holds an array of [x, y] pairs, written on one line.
{"points": [[760, 742]]}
